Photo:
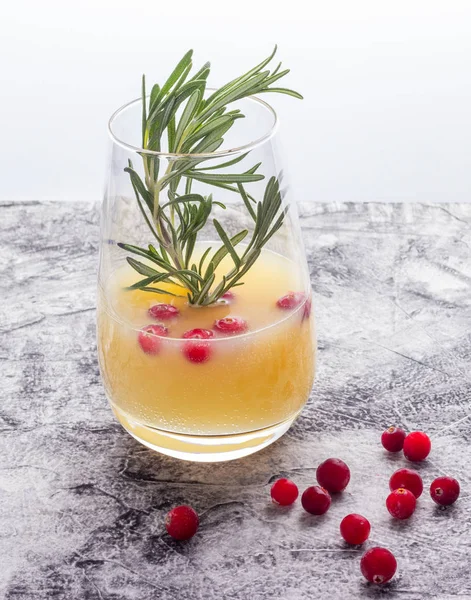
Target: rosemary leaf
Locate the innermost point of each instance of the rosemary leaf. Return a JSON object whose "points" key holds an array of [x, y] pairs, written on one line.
{"points": [[227, 178], [160, 291], [206, 287], [187, 115], [203, 258], [284, 91], [226, 241], [154, 94], [141, 267], [144, 113], [229, 163], [139, 186], [246, 200], [149, 280], [222, 252], [171, 134], [176, 73]]}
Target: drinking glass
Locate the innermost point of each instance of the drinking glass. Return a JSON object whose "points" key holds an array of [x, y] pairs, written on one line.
{"points": [[240, 381]]}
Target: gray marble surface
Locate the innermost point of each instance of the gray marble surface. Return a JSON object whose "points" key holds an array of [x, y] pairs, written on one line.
{"points": [[82, 504]]}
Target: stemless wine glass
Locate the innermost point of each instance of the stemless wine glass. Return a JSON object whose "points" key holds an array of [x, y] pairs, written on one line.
{"points": [[203, 381]]}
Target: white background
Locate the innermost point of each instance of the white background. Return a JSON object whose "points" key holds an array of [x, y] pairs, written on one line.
{"points": [[387, 85]]}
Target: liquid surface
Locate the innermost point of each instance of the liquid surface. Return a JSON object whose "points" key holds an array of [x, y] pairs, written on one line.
{"points": [[250, 381]]}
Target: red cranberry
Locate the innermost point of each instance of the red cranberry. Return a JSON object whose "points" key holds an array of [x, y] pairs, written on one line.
{"points": [[393, 439], [355, 529], [182, 522], [227, 298], [333, 475], [291, 300], [307, 308], [408, 479], [445, 490], [378, 565], [231, 325], [284, 492], [198, 334], [417, 446], [149, 338], [163, 312], [401, 503], [197, 351], [316, 500]]}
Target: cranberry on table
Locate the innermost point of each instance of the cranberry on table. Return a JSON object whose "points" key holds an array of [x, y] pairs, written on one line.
{"points": [[231, 325], [355, 529], [333, 475], [417, 446], [284, 492], [149, 338], [163, 312], [401, 503], [291, 300], [316, 500], [197, 351], [378, 565], [393, 439], [182, 522], [408, 479], [445, 490]]}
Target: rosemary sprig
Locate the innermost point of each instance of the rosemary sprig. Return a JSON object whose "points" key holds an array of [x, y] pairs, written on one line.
{"points": [[178, 119]]}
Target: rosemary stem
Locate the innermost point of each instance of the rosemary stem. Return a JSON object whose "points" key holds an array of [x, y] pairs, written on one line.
{"points": [[196, 126]]}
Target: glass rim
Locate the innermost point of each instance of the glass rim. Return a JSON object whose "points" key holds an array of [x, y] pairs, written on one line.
{"points": [[218, 153]]}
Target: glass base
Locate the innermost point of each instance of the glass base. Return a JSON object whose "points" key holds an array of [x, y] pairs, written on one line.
{"points": [[200, 448]]}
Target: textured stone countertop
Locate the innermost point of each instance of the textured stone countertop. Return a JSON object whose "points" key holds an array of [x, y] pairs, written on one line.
{"points": [[82, 503]]}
